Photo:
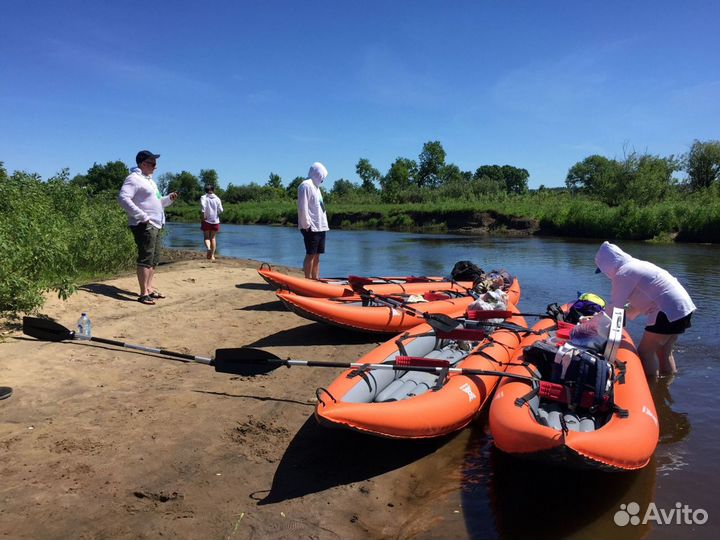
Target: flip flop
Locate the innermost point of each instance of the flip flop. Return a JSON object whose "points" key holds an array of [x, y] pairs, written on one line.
{"points": [[156, 294], [5, 392], [146, 299]]}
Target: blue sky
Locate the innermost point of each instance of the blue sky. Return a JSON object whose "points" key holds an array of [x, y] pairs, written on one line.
{"points": [[249, 88]]}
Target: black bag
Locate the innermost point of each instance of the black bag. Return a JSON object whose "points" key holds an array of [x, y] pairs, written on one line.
{"points": [[588, 377], [466, 271]]}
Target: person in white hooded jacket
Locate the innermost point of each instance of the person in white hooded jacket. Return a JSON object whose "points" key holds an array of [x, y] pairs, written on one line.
{"points": [[312, 219], [648, 290]]}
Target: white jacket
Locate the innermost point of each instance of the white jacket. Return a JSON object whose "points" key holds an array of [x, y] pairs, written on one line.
{"points": [[311, 208], [646, 287], [211, 207], [142, 201]]}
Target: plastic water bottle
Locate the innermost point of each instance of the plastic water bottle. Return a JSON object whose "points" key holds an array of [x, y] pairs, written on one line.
{"points": [[84, 327]]}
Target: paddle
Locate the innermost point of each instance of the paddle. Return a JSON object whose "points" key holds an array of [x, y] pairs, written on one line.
{"points": [[261, 361], [250, 361], [47, 330]]}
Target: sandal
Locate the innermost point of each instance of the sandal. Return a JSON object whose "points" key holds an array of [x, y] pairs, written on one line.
{"points": [[156, 294], [146, 299]]}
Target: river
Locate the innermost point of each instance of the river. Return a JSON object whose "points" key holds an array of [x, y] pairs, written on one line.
{"points": [[500, 497]]}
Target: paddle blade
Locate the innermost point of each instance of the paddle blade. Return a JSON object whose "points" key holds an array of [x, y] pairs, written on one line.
{"points": [[246, 361], [45, 329], [440, 321]]}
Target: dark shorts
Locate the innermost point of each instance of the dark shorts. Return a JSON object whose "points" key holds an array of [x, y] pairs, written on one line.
{"points": [[147, 240], [663, 326], [205, 226], [314, 242]]}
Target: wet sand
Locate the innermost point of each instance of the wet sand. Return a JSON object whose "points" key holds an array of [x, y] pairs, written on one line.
{"points": [[103, 442]]}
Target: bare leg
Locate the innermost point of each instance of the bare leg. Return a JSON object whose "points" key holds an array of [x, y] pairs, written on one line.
{"points": [[144, 275], [213, 244], [316, 267], [655, 351], [308, 265], [208, 243], [666, 357]]}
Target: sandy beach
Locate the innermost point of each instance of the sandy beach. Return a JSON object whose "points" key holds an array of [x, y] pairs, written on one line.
{"points": [[103, 442]]}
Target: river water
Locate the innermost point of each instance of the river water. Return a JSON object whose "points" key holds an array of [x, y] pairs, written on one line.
{"points": [[501, 497]]}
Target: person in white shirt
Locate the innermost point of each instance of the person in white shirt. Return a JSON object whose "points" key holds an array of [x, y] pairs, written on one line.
{"points": [[312, 219], [648, 290], [145, 206], [211, 208]]}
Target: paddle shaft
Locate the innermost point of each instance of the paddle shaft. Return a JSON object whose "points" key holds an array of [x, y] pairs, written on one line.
{"points": [[427, 369], [164, 352]]}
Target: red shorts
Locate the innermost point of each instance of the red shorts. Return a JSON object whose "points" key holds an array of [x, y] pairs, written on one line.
{"points": [[205, 226]]}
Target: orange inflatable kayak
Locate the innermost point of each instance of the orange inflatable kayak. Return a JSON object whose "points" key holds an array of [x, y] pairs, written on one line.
{"points": [[617, 430], [413, 404], [338, 287], [374, 315]]}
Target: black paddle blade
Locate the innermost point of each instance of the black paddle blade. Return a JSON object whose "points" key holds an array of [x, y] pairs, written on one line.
{"points": [[442, 322], [45, 329], [246, 361]]}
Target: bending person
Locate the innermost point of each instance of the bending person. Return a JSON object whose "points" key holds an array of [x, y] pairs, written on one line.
{"points": [[651, 291]]}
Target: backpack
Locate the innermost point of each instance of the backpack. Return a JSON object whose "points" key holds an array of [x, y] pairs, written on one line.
{"points": [[575, 377], [582, 308], [466, 271]]}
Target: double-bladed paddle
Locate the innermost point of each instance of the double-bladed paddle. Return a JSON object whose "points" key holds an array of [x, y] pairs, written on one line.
{"points": [[442, 322], [250, 361]]}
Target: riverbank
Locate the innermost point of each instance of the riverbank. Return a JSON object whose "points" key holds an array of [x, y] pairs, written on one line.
{"points": [[103, 442], [691, 218]]}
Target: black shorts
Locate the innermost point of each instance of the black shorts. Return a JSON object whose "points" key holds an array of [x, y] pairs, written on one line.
{"points": [[663, 326], [147, 240], [314, 242]]}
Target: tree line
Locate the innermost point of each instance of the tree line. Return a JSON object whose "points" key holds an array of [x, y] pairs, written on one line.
{"points": [[636, 177]]}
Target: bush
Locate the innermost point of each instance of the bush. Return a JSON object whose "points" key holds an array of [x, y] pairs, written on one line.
{"points": [[54, 234]]}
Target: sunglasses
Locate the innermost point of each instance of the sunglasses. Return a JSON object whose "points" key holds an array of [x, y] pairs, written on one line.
{"points": [[153, 163]]}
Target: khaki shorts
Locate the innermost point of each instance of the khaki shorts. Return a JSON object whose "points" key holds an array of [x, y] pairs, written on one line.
{"points": [[147, 240]]}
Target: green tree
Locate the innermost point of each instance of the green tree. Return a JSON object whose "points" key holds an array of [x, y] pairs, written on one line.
{"points": [[187, 185], [274, 181], [343, 188], [99, 178], [432, 160], [368, 174], [595, 175], [702, 164], [209, 177], [3, 172], [516, 180], [163, 182], [292, 189], [400, 176]]}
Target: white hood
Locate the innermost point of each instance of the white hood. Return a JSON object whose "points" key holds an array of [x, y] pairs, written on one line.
{"points": [[609, 258], [317, 173]]}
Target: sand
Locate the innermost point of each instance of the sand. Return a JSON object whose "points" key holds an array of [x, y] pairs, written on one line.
{"points": [[103, 442]]}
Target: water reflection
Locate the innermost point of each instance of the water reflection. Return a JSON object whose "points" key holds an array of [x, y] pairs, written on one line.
{"points": [[506, 497]]}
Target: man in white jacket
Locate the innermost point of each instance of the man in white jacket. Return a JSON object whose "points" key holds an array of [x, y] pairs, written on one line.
{"points": [[648, 290], [211, 208], [145, 206], [312, 219]]}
